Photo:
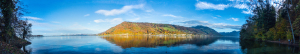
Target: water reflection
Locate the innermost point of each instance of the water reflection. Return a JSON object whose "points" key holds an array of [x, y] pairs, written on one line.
{"points": [[152, 41], [153, 45], [230, 38], [27, 50], [255, 47]]}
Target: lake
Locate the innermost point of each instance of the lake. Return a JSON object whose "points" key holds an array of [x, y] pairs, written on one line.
{"points": [[153, 45]]}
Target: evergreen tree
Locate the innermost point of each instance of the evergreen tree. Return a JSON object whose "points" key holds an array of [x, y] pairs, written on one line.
{"points": [[10, 13]]}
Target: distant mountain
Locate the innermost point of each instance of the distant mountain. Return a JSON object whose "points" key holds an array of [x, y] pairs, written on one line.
{"points": [[233, 33], [206, 30], [135, 28]]}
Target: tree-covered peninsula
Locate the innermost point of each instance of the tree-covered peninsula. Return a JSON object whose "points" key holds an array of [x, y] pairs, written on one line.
{"points": [[138, 28]]}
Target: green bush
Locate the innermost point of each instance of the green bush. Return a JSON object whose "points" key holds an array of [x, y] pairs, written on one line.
{"points": [[281, 28], [289, 35], [269, 35], [296, 26], [260, 36], [272, 34]]}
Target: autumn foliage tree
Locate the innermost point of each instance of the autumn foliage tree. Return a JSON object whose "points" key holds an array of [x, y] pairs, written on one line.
{"points": [[268, 24], [263, 19]]}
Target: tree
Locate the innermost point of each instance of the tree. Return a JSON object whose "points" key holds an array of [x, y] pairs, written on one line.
{"points": [[24, 30], [263, 22], [10, 13], [247, 29], [265, 15], [296, 14], [263, 19], [290, 11], [296, 26], [7, 9], [281, 27]]}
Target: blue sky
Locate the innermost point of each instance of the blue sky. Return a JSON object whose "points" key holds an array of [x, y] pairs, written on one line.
{"points": [[57, 17]]}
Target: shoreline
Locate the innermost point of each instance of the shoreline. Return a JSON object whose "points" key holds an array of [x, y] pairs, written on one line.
{"points": [[10, 49], [14, 47], [284, 42]]}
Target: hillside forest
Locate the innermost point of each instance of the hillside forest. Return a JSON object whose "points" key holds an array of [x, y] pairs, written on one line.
{"points": [[272, 23], [141, 28]]}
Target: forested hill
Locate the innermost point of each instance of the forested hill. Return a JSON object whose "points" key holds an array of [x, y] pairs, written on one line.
{"points": [[207, 30], [135, 28]]}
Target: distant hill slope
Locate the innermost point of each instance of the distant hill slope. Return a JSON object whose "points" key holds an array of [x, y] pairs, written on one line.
{"points": [[233, 33], [134, 28], [207, 30]]}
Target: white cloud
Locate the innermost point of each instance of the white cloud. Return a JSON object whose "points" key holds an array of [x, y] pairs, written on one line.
{"points": [[236, 4], [119, 11], [247, 12], [239, 0], [205, 5], [112, 21], [170, 15], [33, 18], [241, 6], [234, 19], [212, 25], [87, 15]]}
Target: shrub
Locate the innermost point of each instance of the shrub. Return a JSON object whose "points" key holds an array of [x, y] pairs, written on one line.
{"points": [[296, 26], [271, 34], [289, 35], [281, 28]]}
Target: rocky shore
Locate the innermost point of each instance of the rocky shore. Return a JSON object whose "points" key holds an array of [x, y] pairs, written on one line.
{"points": [[14, 47]]}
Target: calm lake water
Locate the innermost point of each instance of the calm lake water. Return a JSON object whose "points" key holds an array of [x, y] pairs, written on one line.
{"points": [[153, 45]]}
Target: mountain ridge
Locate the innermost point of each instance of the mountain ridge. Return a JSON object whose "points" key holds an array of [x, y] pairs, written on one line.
{"points": [[207, 30], [144, 28], [233, 33]]}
